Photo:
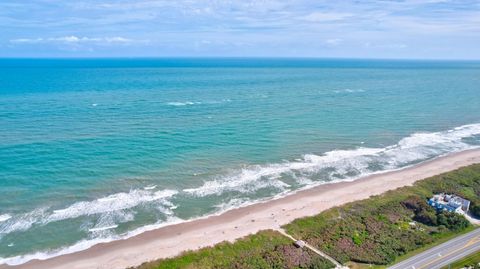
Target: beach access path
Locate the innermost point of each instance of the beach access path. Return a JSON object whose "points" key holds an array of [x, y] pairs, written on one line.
{"points": [[172, 240], [317, 251]]}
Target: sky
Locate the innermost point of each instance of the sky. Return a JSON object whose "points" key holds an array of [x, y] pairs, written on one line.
{"points": [[415, 29]]}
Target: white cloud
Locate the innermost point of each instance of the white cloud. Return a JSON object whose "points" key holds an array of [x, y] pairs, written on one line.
{"points": [[69, 39], [79, 40], [266, 27], [326, 16], [27, 40], [333, 41], [385, 46]]}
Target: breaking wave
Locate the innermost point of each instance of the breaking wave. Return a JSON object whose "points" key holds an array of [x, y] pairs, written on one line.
{"points": [[349, 91], [115, 203], [340, 165], [86, 244], [238, 186], [5, 217], [188, 103]]}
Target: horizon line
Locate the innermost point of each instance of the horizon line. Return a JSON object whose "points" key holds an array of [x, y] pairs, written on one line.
{"points": [[230, 57]]}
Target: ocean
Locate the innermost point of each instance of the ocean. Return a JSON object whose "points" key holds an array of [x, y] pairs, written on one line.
{"points": [[95, 150]]}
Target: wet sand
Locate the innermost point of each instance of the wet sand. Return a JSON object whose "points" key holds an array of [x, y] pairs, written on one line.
{"points": [[172, 240]]}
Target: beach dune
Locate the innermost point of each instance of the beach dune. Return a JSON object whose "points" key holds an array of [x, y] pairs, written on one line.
{"points": [[172, 240]]}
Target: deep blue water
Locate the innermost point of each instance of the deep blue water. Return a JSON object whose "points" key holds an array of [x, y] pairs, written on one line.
{"points": [[95, 150]]}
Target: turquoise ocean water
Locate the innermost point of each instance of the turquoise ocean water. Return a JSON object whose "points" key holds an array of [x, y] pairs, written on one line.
{"points": [[101, 149]]}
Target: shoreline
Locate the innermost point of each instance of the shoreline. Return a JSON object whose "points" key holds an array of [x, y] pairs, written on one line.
{"points": [[171, 240]]}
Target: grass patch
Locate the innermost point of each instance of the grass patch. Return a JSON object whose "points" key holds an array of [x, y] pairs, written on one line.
{"points": [[266, 249], [471, 260], [354, 265], [393, 226], [434, 244], [371, 233]]}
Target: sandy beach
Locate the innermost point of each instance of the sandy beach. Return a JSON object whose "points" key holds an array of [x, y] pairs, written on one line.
{"points": [[172, 240]]}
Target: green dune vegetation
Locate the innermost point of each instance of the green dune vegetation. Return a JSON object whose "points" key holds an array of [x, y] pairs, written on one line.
{"points": [[379, 230], [471, 261], [266, 249]]}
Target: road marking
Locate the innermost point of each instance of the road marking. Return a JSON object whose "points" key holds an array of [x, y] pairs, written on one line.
{"points": [[475, 238], [472, 241]]}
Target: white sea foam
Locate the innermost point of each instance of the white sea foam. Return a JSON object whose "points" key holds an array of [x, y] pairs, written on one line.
{"points": [[311, 170], [233, 203], [82, 245], [349, 91], [242, 181], [102, 200], [303, 180], [85, 244], [258, 177], [113, 206], [103, 228], [190, 103], [22, 222], [114, 202], [187, 103], [341, 164], [108, 221], [5, 217]]}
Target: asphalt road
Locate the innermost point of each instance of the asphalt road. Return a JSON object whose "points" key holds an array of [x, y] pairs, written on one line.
{"points": [[444, 254]]}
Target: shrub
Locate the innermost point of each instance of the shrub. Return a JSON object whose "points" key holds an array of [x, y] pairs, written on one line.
{"points": [[369, 231], [263, 250], [374, 230], [452, 221], [475, 210]]}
